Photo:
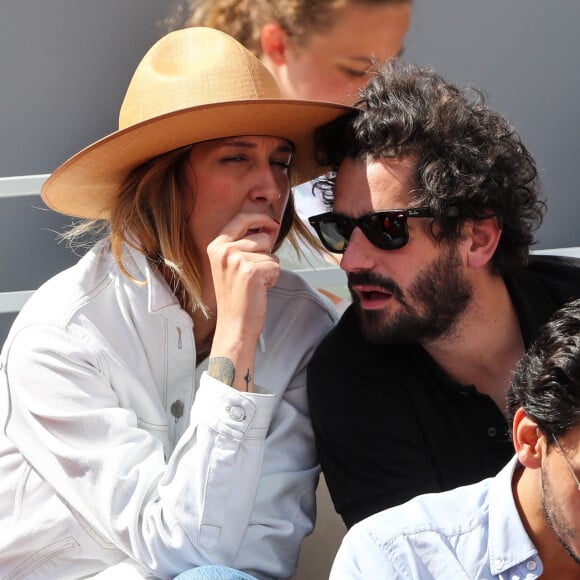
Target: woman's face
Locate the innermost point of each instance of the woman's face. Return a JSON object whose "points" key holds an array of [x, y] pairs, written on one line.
{"points": [[233, 176], [334, 64]]}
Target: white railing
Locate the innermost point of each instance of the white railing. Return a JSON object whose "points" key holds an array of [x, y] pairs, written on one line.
{"points": [[18, 186], [13, 301], [314, 269], [21, 185]]}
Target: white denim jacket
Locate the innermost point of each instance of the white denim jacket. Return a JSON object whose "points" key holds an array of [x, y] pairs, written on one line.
{"points": [[115, 448]]}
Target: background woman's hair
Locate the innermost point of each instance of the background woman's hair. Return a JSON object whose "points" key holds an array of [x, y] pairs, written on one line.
{"points": [[244, 19]]}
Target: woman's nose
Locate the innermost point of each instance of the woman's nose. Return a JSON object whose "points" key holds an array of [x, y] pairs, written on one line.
{"points": [[267, 187], [270, 194]]}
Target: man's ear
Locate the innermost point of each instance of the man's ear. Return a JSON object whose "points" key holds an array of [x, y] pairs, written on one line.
{"points": [[482, 237], [529, 442], [274, 42]]}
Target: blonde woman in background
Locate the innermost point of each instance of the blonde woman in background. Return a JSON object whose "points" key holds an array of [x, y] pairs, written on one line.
{"points": [[315, 49]]}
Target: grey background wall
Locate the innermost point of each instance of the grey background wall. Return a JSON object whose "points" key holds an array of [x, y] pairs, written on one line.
{"points": [[525, 54], [65, 64]]}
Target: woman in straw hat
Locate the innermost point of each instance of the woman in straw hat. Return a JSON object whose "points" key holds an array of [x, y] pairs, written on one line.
{"points": [[153, 410]]}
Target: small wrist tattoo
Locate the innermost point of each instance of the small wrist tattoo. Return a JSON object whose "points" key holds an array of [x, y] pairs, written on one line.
{"points": [[248, 379], [222, 369]]}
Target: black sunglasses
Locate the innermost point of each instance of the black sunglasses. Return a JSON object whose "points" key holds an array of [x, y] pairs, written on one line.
{"points": [[387, 230]]}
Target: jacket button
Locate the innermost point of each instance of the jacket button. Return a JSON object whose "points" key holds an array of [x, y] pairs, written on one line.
{"points": [[531, 565], [177, 409], [236, 413]]}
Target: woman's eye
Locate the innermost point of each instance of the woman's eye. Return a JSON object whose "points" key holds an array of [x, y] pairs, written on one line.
{"points": [[233, 158], [282, 164], [355, 73]]}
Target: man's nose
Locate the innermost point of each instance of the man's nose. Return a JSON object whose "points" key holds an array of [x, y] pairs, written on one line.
{"points": [[359, 254]]}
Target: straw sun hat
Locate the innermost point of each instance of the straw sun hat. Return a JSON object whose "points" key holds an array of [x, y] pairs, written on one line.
{"points": [[193, 85]]}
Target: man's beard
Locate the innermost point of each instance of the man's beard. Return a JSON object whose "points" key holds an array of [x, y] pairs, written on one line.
{"points": [[440, 294], [554, 515]]}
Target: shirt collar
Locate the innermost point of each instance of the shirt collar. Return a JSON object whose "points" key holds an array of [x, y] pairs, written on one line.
{"points": [[508, 543]]}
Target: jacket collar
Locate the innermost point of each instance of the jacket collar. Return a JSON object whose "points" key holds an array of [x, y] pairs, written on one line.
{"points": [[159, 295]]}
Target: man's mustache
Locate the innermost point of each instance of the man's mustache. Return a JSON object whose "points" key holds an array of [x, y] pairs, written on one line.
{"points": [[370, 278]]}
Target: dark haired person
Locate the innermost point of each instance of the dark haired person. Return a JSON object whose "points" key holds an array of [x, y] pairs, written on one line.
{"points": [[524, 522], [436, 201]]}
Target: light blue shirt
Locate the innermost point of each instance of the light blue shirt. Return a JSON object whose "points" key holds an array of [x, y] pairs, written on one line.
{"points": [[472, 532]]}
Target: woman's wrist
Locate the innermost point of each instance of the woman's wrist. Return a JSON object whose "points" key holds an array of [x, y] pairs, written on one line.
{"points": [[233, 366]]}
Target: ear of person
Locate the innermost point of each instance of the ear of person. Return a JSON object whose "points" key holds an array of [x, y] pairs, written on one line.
{"points": [[274, 41], [483, 238], [529, 441]]}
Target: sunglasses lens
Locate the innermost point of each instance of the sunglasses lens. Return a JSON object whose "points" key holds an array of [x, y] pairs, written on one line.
{"points": [[386, 230], [335, 235]]}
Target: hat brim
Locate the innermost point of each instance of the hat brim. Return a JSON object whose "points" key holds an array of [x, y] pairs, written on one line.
{"points": [[86, 184]]}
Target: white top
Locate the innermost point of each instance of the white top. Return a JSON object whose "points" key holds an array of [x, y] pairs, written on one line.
{"points": [[114, 447]]}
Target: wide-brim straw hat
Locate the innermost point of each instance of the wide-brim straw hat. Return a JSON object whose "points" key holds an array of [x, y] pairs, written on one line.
{"points": [[193, 85]]}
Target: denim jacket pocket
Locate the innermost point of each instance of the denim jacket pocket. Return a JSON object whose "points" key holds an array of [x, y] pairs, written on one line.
{"points": [[34, 563]]}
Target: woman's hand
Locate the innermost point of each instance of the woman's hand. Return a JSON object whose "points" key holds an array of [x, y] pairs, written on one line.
{"points": [[243, 269]]}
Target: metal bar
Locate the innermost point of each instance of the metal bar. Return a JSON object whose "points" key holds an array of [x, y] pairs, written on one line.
{"points": [[13, 301], [323, 277], [21, 185]]}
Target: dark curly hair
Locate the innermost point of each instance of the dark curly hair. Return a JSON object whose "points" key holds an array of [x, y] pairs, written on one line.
{"points": [[467, 155], [547, 379]]}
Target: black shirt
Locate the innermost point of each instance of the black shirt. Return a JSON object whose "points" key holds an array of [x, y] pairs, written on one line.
{"points": [[390, 424]]}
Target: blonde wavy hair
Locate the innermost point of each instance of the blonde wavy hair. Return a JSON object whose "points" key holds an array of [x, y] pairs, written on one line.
{"points": [[151, 214], [244, 19]]}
